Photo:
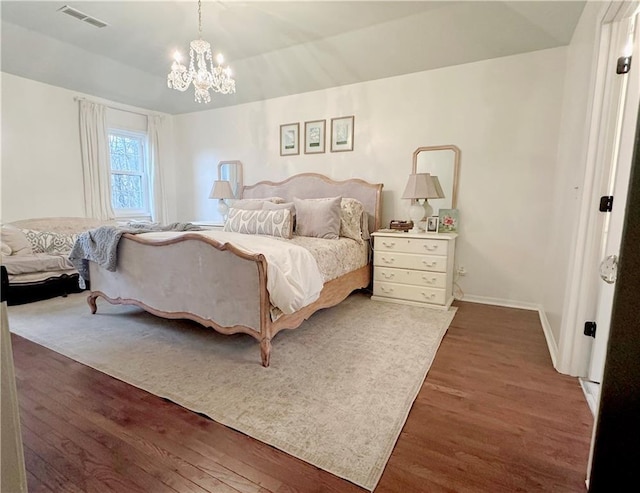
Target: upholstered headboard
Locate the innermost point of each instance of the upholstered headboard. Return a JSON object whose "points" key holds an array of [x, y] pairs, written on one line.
{"points": [[316, 186]]}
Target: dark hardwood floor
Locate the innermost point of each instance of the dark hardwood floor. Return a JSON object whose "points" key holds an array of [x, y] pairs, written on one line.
{"points": [[492, 416]]}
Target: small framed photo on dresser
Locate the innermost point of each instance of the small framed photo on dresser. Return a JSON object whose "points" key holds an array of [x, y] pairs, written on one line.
{"points": [[448, 221], [432, 224]]}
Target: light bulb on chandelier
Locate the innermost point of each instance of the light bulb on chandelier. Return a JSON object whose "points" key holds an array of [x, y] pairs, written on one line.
{"points": [[206, 77]]}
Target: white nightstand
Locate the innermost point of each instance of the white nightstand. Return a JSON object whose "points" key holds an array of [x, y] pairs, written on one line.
{"points": [[414, 269]]}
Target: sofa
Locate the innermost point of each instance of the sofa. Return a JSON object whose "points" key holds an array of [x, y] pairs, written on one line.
{"points": [[35, 254]]}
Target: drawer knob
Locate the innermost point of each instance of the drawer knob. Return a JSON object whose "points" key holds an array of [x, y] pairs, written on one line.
{"points": [[431, 248], [433, 263], [429, 281], [428, 296], [388, 275], [386, 290], [388, 260], [390, 244]]}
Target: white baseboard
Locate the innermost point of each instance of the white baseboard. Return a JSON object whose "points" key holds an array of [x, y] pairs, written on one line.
{"points": [[548, 335], [546, 326], [500, 302]]}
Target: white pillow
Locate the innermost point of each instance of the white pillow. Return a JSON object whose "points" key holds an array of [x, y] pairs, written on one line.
{"points": [[5, 249], [262, 222], [16, 239], [255, 204]]}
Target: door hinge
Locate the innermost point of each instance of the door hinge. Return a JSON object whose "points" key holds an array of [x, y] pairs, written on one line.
{"points": [[606, 203], [624, 65], [590, 329]]}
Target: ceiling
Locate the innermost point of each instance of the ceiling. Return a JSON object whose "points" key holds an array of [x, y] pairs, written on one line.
{"points": [[274, 48]]}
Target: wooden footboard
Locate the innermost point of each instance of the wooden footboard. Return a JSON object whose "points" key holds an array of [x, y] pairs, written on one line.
{"points": [[214, 284]]}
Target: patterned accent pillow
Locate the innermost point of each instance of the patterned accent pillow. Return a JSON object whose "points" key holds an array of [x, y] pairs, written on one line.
{"points": [[50, 242], [351, 213], [272, 223]]}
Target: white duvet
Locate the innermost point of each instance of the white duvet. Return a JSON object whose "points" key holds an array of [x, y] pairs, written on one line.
{"points": [[293, 277]]}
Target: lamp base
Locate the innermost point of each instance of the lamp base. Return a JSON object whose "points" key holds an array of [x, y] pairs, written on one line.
{"points": [[416, 213], [223, 209]]}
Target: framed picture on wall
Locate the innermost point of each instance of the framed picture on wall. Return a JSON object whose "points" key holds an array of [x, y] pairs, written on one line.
{"points": [[342, 134], [314, 136], [289, 139]]}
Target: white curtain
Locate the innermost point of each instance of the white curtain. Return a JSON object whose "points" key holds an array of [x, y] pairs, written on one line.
{"points": [[96, 170], [157, 159]]}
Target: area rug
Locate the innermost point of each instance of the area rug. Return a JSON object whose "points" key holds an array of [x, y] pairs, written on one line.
{"points": [[336, 395]]}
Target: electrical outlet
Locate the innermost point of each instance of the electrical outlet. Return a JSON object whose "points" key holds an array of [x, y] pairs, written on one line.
{"points": [[462, 271]]}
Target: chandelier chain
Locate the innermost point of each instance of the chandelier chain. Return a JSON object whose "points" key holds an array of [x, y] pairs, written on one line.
{"points": [[199, 19]]}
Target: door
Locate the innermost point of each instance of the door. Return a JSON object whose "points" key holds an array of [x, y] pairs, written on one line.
{"points": [[624, 100]]}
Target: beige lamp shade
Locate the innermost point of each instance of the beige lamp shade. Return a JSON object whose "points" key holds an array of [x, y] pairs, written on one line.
{"points": [[221, 190], [423, 186]]}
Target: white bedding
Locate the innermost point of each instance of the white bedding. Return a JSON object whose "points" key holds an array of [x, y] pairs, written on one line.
{"points": [[293, 277]]}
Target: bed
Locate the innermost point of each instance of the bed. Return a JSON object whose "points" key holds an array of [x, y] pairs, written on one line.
{"points": [[205, 277]]}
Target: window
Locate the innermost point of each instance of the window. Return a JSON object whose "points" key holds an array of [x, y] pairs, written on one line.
{"points": [[129, 173]]}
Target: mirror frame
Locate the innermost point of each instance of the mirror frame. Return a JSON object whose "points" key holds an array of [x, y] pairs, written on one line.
{"points": [[456, 166], [240, 175]]}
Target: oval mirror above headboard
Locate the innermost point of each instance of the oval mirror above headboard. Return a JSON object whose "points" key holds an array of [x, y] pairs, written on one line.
{"points": [[443, 162]]}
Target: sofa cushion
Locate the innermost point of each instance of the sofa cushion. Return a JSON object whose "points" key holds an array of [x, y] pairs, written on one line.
{"points": [[38, 262]]}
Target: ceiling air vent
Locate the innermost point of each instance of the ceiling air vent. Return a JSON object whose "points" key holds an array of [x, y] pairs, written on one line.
{"points": [[82, 16]]}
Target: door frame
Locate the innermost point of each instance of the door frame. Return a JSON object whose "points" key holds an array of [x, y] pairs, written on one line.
{"points": [[574, 348]]}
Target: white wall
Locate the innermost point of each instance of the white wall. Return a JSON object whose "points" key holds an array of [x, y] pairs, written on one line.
{"points": [[41, 170], [503, 114], [41, 163]]}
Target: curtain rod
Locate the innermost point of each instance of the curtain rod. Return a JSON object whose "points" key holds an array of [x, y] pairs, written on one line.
{"points": [[119, 107]]}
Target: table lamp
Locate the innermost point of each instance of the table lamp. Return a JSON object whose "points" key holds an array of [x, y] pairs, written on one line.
{"points": [[221, 190], [421, 187]]}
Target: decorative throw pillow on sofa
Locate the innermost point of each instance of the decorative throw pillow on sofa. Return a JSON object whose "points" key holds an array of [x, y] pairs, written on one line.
{"points": [[318, 218], [16, 239], [5, 249], [50, 242], [262, 222]]}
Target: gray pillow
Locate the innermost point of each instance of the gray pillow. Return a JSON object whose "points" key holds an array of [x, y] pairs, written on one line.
{"points": [[318, 218]]}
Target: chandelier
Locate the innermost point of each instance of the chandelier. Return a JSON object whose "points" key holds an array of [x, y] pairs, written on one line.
{"points": [[206, 76]]}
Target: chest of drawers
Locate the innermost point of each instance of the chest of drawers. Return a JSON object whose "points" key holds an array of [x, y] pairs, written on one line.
{"points": [[414, 269]]}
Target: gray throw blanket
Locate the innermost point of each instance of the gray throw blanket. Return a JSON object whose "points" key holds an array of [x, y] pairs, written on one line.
{"points": [[100, 245]]}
